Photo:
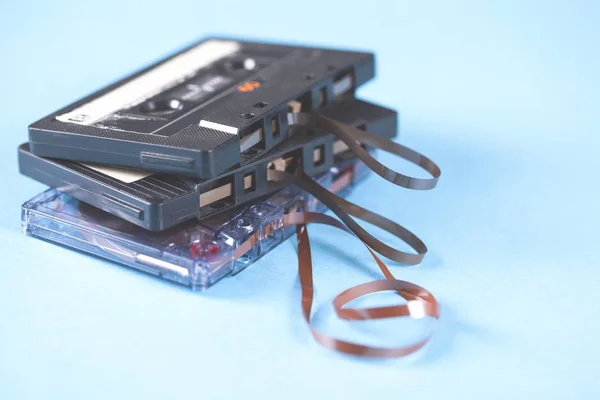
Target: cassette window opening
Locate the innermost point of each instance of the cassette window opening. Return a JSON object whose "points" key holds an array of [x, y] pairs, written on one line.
{"points": [[319, 155], [275, 132], [218, 196], [343, 83], [302, 103], [252, 143], [287, 163], [322, 96], [250, 182]]}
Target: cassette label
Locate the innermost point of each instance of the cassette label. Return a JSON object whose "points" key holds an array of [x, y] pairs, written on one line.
{"points": [[150, 102], [126, 175], [157, 80]]}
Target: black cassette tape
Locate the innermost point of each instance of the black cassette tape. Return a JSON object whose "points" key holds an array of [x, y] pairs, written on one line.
{"points": [[211, 107], [157, 201]]}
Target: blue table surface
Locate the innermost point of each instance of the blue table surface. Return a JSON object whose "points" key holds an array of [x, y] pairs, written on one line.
{"points": [[503, 95]]}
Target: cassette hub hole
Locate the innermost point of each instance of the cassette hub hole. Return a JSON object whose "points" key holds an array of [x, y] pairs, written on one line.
{"points": [[247, 64], [161, 107]]}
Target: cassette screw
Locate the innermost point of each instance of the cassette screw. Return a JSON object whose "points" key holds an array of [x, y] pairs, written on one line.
{"points": [[243, 223], [249, 64], [258, 209]]}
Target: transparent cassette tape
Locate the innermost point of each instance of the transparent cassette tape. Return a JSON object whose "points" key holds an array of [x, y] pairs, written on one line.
{"points": [[196, 253]]}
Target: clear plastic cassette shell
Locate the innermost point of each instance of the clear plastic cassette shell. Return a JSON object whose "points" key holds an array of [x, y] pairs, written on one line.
{"points": [[195, 253]]}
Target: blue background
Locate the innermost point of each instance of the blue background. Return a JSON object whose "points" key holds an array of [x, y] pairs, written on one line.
{"points": [[504, 96]]}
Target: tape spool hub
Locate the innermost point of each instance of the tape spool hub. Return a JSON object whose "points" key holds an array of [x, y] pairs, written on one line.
{"points": [[161, 107]]}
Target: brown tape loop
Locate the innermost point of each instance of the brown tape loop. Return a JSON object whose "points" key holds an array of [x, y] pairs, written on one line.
{"points": [[421, 303], [353, 137], [345, 209]]}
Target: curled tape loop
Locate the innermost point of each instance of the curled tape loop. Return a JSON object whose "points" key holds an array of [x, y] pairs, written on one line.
{"points": [[353, 137], [421, 303], [345, 209]]}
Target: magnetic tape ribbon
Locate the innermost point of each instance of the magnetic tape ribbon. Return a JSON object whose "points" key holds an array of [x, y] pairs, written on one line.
{"points": [[353, 137], [345, 210], [420, 302]]}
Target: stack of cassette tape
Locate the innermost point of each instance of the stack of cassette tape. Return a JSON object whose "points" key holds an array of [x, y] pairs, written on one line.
{"points": [[195, 167]]}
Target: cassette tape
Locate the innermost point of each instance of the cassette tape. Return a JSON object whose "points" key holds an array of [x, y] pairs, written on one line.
{"points": [[196, 253], [202, 111], [158, 201]]}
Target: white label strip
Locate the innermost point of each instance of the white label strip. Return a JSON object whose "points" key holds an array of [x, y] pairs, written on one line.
{"points": [[161, 265], [218, 127], [123, 174], [151, 83]]}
